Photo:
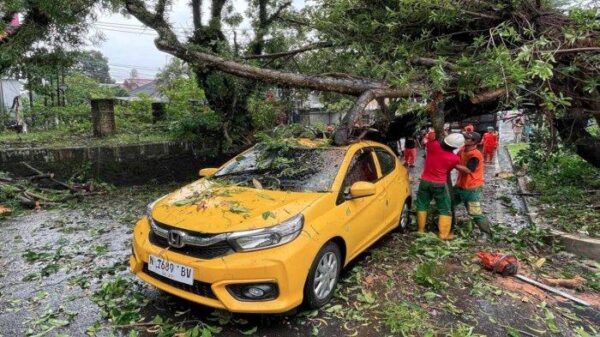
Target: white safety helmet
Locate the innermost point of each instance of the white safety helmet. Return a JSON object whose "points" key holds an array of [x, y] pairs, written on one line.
{"points": [[455, 140]]}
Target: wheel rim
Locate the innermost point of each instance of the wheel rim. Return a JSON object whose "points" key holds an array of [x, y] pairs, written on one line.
{"points": [[404, 217], [326, 275]]}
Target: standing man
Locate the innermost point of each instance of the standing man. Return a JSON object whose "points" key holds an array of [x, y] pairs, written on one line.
{"points": [[517, 126], [410, 151], [490, 144], [470, 182], [439, 162]]}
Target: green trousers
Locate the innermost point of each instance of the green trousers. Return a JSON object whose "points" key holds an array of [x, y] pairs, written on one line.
{"points": [[428, 191], [470, 198]]}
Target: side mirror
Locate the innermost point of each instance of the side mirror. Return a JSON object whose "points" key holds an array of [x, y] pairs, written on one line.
{"points": [[207, 172], [361, 189]]}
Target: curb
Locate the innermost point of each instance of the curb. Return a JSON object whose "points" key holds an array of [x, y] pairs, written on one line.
{"points": [[582, 246]]}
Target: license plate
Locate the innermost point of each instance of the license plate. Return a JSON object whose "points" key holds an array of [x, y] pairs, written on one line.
{"points": [[171, 270]]}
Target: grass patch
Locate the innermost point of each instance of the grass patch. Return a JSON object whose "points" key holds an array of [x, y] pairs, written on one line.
{"points": [[67, 137], [514, 149]]}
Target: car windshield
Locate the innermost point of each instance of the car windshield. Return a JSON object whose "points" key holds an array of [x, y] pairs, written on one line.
{"points": [[288, 168]]}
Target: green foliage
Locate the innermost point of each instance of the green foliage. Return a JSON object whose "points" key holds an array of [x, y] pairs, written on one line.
{"points": [[119, 302], [185, 98], [431, 274], [407, 319], [567, 184], [263, 112]]}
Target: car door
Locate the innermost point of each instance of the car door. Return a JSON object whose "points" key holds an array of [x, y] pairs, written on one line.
{"points": [[362, 217], [392, 196]]}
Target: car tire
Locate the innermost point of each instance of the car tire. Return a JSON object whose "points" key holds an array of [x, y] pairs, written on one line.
{"points": [[323, 276], [405, 219]]}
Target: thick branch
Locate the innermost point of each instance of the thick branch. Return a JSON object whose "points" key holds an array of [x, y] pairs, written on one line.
{"points": [[426, 61], [488, 96], [277, 13], [159, 9], [309, 47], [167, 42], [197, 13], [343, 133]]}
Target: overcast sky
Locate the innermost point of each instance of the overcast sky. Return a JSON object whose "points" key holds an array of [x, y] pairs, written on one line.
{"points": [[128, 44]]}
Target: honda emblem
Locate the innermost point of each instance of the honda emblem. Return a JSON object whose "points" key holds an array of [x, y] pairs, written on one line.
{"points": [[176, 239]]}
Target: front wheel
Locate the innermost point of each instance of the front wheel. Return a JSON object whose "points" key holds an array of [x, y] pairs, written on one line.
{"points": [[323, 276], [404, 221]]}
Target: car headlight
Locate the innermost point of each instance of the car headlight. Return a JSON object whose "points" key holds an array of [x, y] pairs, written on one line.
{"points": [[267, 237]]}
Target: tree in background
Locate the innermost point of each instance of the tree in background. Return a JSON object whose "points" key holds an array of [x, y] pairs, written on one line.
{"points": [[52, 24], [93, 64]]}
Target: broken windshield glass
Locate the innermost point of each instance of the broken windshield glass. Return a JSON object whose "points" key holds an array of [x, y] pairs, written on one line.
{"points": [[290, 168]]}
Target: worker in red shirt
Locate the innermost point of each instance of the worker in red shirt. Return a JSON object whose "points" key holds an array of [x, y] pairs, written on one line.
{"points": [[410, 151], [439, 162], [469, 182], [490, 144]]}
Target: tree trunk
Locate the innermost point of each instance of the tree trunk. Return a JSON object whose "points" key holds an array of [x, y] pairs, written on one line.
{"points": [[573, 131]]}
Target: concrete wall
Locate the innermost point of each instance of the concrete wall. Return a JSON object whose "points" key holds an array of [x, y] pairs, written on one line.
{"points": [[121, 164]]}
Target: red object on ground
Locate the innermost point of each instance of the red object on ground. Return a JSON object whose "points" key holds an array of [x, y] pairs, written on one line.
{"points": [[499, 263]]}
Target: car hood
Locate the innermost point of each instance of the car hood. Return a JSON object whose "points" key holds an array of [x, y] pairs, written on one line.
{"points": [[210, 207]]}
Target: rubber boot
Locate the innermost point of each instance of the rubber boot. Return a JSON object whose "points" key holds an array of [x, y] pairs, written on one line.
{"points": [[484, 228], [444, 226], [421, 220]]}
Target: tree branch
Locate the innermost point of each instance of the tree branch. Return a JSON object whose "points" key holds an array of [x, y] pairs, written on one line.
{"points": [[309, 47], [277, 12], [573, 50], [426, 61], [344, 132], [488, 96], [197, 13], [159, 9], [167, 41]]}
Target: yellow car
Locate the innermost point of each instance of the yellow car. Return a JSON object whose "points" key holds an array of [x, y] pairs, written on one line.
{"points": [[272, 228]]}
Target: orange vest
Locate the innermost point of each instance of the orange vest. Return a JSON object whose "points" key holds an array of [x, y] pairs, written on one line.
{"points": [[474, 179]]}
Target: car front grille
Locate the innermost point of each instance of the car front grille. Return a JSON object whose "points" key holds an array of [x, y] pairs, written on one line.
{"points": [[217, 249], [199, 288]]}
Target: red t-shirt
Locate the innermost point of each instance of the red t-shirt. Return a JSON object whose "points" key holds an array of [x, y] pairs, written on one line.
{"points": [[438, 163], [490, 140]]}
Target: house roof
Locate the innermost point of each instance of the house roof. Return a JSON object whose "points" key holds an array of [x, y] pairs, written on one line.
{"points": [[150, 89]]}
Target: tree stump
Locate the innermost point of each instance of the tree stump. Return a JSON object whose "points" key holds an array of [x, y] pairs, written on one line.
{"points": [[103, 117]]}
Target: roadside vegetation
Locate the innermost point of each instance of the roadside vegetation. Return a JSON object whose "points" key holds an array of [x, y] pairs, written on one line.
{"points": [[568, 187]]}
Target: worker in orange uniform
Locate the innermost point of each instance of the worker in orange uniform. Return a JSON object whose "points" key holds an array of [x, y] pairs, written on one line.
{"points": [[469, 182], [439, 162], [490, 144]]}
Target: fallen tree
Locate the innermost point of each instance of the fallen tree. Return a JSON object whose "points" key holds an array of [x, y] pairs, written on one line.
{"points": [[517, 53]]}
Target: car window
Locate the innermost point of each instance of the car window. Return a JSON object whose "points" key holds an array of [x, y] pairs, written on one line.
{"points": [[362, 168], [386, 161], [289, 169]]}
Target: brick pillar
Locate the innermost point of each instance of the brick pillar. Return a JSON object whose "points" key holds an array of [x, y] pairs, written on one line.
{"points": [[103, 117]]}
